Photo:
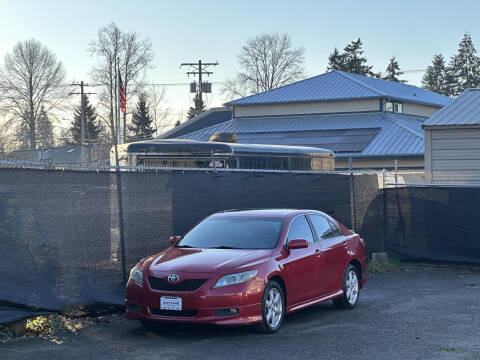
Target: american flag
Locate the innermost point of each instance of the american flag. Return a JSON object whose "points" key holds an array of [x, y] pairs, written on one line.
{"points": [[121, 93]]}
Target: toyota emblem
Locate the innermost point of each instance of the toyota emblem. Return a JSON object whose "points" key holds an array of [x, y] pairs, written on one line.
{"points": [[173, 277]]}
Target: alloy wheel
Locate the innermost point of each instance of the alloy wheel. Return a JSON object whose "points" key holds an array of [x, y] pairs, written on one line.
{"points": [[351, 287], [273, 308]]}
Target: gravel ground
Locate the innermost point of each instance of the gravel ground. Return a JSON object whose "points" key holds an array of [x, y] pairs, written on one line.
{"points": [[421, 313]]}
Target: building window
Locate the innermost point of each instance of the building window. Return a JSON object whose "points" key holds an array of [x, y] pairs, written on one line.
{"points": [[394, 107]]}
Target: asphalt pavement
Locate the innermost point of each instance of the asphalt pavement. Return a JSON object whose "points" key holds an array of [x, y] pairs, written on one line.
{"points": [[420, 313]]}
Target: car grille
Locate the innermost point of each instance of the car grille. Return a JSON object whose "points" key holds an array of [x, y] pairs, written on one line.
{"points": [[182, 313], [185, 285]]}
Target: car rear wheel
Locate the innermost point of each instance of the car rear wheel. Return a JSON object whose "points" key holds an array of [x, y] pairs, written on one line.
{"points": [[351, 289], [273, 308]]}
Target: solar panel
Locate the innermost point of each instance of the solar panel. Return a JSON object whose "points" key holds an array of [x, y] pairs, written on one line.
{"points": [[339, 141]]}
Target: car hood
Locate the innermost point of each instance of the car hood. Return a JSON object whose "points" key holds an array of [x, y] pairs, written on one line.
{"points": [[208, 260]]}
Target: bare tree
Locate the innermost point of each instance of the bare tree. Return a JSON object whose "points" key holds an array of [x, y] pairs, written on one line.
{"points": [[137, 58], [156, 100], [30, 79], [134, 55], [107, 49], [266, 61]]}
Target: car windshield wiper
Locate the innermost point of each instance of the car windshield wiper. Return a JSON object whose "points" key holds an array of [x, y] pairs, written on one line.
{"points": [[184, 246], [224, 247]]}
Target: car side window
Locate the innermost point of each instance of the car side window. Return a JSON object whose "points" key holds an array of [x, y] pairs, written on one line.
{"points": [[324, 228], [300, 229], [335, 231]]}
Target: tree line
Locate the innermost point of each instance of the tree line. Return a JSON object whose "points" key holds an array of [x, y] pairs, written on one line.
{"points": [[33, 86], [34, 91], [269, 61]]}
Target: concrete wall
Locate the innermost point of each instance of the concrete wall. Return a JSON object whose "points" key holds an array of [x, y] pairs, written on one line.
{"points": [[452, 155], [418, 109], [307, 108]]}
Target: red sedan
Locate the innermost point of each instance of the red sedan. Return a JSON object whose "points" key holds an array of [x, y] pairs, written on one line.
{"points": [[249, 267]]}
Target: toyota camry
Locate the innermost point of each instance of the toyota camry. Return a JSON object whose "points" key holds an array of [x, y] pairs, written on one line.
{"points": [[249, 267]]}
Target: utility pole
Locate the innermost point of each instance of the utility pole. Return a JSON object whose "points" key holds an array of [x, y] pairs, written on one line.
{"points": [[82, 118], [199, 69]]}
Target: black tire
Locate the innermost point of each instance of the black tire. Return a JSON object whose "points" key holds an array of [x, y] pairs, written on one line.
{"points": [[265, 325], [347, 301]]}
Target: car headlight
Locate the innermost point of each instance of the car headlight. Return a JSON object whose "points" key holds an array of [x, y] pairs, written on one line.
{"points": [[137, 276], [235, 278]]}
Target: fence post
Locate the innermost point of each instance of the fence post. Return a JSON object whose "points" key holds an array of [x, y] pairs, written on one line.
{"points": [[385, 216], [352, 201], [120, 216], [214, 165], [396, 172], [120, 225]]}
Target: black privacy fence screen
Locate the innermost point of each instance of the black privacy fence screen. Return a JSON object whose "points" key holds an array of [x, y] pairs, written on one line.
{"points": [[64, 241], [433, 223]]}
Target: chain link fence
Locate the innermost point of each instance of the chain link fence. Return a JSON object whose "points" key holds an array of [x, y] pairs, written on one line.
{"points": [[65, 241]]}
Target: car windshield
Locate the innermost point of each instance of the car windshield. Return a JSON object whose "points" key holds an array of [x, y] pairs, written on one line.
{"points": [[234, 232]]}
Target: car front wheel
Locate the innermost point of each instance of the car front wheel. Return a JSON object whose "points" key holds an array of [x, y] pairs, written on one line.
{"points": [[351, 288], [273, 308]]}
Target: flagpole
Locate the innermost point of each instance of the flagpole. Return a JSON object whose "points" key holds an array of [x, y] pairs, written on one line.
{"points": [[119, 138]]}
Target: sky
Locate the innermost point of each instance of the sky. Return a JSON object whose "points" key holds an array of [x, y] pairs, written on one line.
{"points": [[186, 31]]}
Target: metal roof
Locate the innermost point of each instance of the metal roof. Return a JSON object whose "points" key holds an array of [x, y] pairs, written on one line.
{"points": [[464, 110], [399, 135], [339, 85], [339, 140], [208, 118]]}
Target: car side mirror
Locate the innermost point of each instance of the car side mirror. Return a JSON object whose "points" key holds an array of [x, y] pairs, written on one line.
{"points": [[175, 239], [297, 244]]}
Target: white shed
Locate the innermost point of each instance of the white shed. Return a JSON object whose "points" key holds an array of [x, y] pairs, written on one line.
{"points": [[452, 141]]}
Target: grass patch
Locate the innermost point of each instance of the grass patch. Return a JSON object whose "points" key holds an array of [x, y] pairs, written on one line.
{"points": [[386, 265], [451, 349]]}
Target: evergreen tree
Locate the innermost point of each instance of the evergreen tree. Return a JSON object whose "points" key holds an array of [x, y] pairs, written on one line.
{"points": [[464, 66], [93, 128], [335, 61], [451, 82], [192, 111], [354, 61], [22, 135], [44, 131], [141, 121], [393, 71], [435, 77], [350, 60]]}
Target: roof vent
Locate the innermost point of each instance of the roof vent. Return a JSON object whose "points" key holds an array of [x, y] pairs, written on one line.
{"points": [[226, 137]]}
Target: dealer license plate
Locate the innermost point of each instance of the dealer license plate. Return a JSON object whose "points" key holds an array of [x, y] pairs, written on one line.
{"points": [[170, 303]]}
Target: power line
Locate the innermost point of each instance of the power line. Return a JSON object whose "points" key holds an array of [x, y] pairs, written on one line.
{"points": [[152, 84]]}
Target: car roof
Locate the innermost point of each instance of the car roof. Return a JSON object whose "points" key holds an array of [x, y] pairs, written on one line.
{"points": [[262, 212]]}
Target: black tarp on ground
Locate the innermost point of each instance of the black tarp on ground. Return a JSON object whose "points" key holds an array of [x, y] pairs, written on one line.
{"points": [[59, 230], [434, 223]]}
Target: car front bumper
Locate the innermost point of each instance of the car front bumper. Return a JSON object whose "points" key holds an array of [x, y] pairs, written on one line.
{"points": [[204, 305]]}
